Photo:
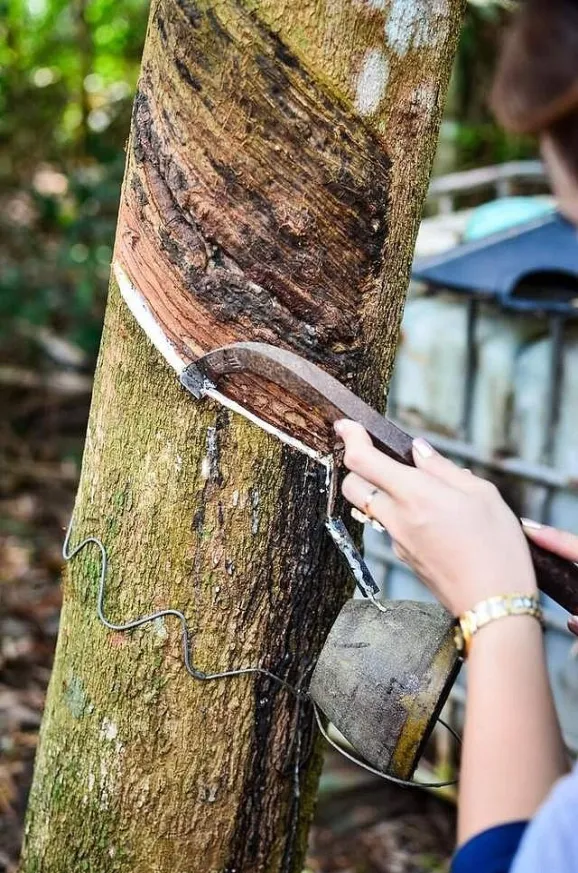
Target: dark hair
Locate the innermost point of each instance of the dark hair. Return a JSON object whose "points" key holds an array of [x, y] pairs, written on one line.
{"points": [[536, 85]]}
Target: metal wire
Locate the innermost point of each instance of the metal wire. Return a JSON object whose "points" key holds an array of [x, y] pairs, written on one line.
{"points": [[295, 758], [406, 783], [301, 695], [68, 554]]}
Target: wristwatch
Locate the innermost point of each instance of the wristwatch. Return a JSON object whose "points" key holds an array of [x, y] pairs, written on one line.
{"points": [[501, 606]]}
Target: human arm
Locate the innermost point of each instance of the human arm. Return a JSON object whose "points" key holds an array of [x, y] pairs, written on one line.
{"points": [[512, 752], [459, 536]]}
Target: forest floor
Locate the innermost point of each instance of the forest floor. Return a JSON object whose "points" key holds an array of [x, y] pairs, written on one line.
{"points": [[363, 825]]}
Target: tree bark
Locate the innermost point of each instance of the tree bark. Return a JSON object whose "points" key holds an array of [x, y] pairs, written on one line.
{"points": [[276, 169]]}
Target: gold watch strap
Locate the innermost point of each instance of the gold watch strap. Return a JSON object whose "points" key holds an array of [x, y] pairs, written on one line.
{"points": [[491, 609]]}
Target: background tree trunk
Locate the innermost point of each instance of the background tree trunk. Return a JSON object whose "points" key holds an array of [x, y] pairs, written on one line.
{"points": [[277, 165]]}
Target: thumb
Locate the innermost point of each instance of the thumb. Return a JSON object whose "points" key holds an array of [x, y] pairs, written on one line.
{"points": [[558, 541]]}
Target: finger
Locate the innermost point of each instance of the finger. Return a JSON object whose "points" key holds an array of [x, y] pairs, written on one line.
{"points": [[558, 541], [426, 458], [573, 625], [363, 458], [361, 494]]}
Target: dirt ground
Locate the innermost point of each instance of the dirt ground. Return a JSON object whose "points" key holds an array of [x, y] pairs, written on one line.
{"points": [[363, 825]]}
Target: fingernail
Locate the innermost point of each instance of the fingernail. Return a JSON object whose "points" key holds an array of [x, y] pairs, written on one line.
{"points": [[341, 424], [573, 624], [423, 448], [530, 524]]}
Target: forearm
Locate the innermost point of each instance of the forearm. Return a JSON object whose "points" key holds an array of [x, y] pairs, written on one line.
{"points": [[457, 534], [513, 750]]}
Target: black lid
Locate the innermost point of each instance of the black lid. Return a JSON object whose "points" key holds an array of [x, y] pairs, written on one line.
{"points": [[532, 267]]}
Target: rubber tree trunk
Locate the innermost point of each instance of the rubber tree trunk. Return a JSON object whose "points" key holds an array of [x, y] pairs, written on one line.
{"points": [[277, 164]]}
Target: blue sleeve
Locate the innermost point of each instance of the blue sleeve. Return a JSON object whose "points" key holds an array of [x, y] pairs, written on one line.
{"points": [[492, 851]]}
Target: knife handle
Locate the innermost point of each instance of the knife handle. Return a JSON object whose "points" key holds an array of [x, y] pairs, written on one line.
{"points": [[556, 577]]}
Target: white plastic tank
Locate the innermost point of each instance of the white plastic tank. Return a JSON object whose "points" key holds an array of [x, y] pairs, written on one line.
{"points": [[431, 366], [500, 338], [509, 410], [531, 397], [530, 413], [430, 385]]}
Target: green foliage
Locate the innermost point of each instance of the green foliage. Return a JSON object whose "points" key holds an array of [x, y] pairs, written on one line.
{"points": [[484, 143], [470, 137], [68, 69], [67, 75]]}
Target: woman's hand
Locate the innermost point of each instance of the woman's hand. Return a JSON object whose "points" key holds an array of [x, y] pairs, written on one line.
{"points": [[459, 536], [452, 528], [558, 541]]}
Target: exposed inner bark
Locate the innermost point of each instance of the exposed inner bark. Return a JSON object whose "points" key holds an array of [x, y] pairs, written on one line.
{"points": [[256, 204]]}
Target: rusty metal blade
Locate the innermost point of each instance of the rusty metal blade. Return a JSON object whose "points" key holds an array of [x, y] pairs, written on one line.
{"points": [[305, 382]]}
